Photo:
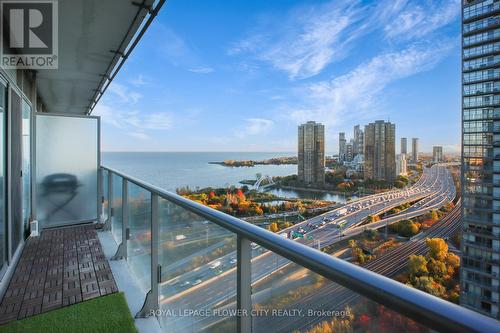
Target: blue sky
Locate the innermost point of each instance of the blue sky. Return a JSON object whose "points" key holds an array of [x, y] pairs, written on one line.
{"points": [[241, 75]]}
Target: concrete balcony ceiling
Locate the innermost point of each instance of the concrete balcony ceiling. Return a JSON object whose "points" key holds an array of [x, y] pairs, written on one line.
{"points": [[89, 32]]}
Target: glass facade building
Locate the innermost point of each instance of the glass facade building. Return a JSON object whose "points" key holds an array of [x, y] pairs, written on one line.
{"points": [[311, 151], [380, 151], [481, 156]]}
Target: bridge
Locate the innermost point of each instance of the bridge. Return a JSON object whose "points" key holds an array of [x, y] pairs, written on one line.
{"points": [[258, 183]]}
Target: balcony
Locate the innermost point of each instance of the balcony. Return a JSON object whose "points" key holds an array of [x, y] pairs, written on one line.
{"points": [[182, 266], [478, 11], [147, 221]]}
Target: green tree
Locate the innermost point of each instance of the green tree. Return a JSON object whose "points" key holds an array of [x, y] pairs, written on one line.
{"points": [[417, 266], [427, 284], [437, 269], [407, 228]]}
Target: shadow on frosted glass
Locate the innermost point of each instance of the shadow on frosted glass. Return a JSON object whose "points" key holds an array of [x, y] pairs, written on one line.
{"points": [[105, 194], [287, 297], [66, 171], [139, 243], [198, 282], [117, 219]]}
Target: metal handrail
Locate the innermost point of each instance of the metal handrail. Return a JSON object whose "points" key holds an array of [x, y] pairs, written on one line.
{"points": [[424, 308]]}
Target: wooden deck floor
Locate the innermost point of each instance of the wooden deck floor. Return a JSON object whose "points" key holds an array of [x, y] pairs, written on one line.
{"points": [[61, 267]]}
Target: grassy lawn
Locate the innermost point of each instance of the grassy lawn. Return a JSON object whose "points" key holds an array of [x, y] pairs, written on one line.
{"points": [[103, 314]]}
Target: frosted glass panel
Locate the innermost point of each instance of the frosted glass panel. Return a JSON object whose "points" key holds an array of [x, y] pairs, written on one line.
{"points": [[67, 158]]}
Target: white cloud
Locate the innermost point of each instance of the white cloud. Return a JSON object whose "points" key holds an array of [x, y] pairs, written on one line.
{"points": [[253, 127], [124, 94], [139, 135], [308, 40], [256, 126], [127, 119], [358, 93], [416, 19], [202, 70], [139, 81]]}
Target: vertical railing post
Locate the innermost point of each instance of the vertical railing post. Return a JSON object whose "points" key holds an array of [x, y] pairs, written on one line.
{"points": [[121, 252], [244, 285], [151, 302], [107, 225]]}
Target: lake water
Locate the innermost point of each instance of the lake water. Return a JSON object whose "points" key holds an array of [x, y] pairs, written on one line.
{"points": [[173, 170]]}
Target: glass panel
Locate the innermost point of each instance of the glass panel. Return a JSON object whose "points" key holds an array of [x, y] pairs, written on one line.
{"points": [[26, 178], [139, 244], [15, 194], [287, 297], [117, 220], [3, 235], [105, 194], [66, 171], [198, 281]]}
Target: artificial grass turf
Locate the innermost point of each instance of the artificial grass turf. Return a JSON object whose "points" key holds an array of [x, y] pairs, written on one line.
{"points": [[103, 314]]}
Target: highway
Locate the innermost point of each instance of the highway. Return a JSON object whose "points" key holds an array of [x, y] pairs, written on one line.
{"points": [[332, 296], [209, 290]]}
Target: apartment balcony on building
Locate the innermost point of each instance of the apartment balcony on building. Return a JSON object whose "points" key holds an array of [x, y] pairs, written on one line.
{"points": [[85, 244]]}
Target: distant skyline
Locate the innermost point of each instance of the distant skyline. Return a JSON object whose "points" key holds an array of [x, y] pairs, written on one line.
{"points": [[241, 76]]}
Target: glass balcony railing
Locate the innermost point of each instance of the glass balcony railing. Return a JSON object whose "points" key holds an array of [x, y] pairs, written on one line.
{"points": [[205, 271], [480, 9]]}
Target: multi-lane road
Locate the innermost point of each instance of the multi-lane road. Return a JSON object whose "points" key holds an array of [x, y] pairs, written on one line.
{"points": [[332, 296], [204, 289]]}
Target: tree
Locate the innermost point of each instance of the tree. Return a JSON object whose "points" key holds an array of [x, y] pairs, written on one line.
{"points": [[407, 228], [240, 195], [437, 269], [360, 256], [427, 284], [417, 265], [274, 227], [352, 243], [434, 215], [452, 263], [438, 249]]}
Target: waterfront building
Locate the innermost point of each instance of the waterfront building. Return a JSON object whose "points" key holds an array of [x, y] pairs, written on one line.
{"points": [[311, 153], [380, 151], [342, 146], [401, 165], [480, 246], [349, 151], [414, 150], [404, 146], [358, 140], [437, 154]]}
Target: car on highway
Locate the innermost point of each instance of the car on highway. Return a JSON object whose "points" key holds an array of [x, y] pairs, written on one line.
{"points": [[215, 264], [196, 282]]}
